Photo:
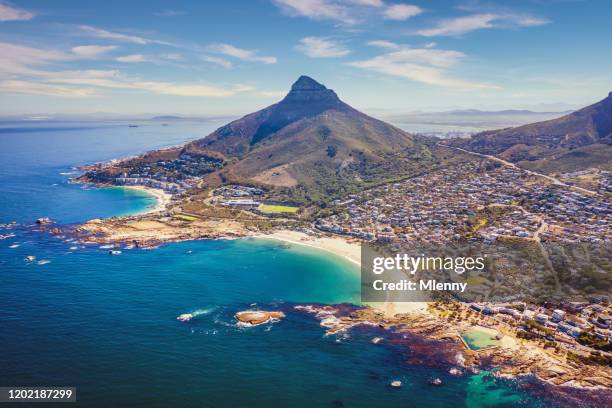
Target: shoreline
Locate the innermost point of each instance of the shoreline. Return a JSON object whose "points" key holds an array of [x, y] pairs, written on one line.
{"points": [[162, 198], [351, 251]]}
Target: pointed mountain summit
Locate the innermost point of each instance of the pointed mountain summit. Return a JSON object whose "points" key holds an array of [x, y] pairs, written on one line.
{"points": [[306, 83], [577, 141], [307, 98], [310, 137]]}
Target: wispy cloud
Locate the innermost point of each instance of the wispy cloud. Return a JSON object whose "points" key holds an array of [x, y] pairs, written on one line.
{"points": [[16, 59], [92, 51], [384, 44], [465, 24], [371, 3], [111, 35], [426, 65], [318, 10], [132, 58], [272, 94], [37, 88], [218, 60], [11, 13], [347, 12], [401, 12], [240, 53], [40, 71], [322, 47]]}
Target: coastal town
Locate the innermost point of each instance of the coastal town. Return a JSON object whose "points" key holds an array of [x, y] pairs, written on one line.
{"points": [[476, 198]]}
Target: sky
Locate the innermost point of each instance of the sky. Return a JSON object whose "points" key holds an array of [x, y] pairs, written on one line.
{"points": [[207, 58]]}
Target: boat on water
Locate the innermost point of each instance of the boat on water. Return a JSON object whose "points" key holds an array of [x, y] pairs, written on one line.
{"points": [[436, 381], [114, 252], [30, 258], [396, 383]]}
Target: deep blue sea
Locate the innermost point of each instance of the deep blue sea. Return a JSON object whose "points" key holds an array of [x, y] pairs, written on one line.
{"points": [[107, 324]]}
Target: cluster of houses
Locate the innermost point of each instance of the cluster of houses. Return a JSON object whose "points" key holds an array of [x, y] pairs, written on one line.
{"points": [[186, 166], [174, 176], [578, 217], [177, 187], [515, 223], [238, 191], [567, 323], [244, 203], [442, 205]]}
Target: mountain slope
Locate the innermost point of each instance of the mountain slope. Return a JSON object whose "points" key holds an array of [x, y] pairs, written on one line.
{"points": [[312, 140], [576, 141], [309, 147]]}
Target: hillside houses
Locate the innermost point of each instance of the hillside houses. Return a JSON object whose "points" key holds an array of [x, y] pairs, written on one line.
{"points": [[472, 198]]}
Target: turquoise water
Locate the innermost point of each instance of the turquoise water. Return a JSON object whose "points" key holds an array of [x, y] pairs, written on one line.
{"points": [[107, 324]]}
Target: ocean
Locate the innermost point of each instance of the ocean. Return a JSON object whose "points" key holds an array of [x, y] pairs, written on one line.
{"points": [[107, 324]]}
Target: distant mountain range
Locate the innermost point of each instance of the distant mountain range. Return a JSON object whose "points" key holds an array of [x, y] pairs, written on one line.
{"points": [[471, 118], [576, 141]]}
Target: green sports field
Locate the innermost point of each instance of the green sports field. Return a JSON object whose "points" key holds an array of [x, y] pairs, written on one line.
{"points": [[277, 208]]}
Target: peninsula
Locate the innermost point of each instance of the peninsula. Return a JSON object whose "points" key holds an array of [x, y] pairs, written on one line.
{"points": [[311, 170]]}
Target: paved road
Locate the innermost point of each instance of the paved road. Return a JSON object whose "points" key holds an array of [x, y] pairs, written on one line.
{"points": [[533, 173]]}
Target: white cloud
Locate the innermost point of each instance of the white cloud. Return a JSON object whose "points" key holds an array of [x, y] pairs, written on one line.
{"points": [[272, 94], [424, 65], [461, 25], [132, 58], [34, 71], [191, 89], [370, 3], [240, 53], [218, 60], [110, 35], [161, 59], [317, 10], [92, 51], [383, 44], [18, 59], [401, 12], [10, 13], [322, 47], [37, 88]]}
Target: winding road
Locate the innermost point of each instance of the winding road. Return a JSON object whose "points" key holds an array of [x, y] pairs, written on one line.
{"points": [[533, 173]]}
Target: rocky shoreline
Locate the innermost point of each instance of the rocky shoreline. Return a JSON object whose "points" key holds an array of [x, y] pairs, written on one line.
{"points": [[422, 333]]}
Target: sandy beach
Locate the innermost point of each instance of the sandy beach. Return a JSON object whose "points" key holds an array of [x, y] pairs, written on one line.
{"points": [[163, 198], [351, 251]]}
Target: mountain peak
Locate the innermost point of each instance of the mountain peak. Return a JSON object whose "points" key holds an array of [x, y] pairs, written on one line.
{"points": [[306, 83]]}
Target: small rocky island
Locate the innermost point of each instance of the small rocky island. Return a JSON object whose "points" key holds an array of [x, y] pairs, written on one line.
{"points": [[257, 317]]}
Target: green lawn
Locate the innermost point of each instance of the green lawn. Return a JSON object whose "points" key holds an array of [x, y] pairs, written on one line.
{"points": [[277, 208], [185, 217]]}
